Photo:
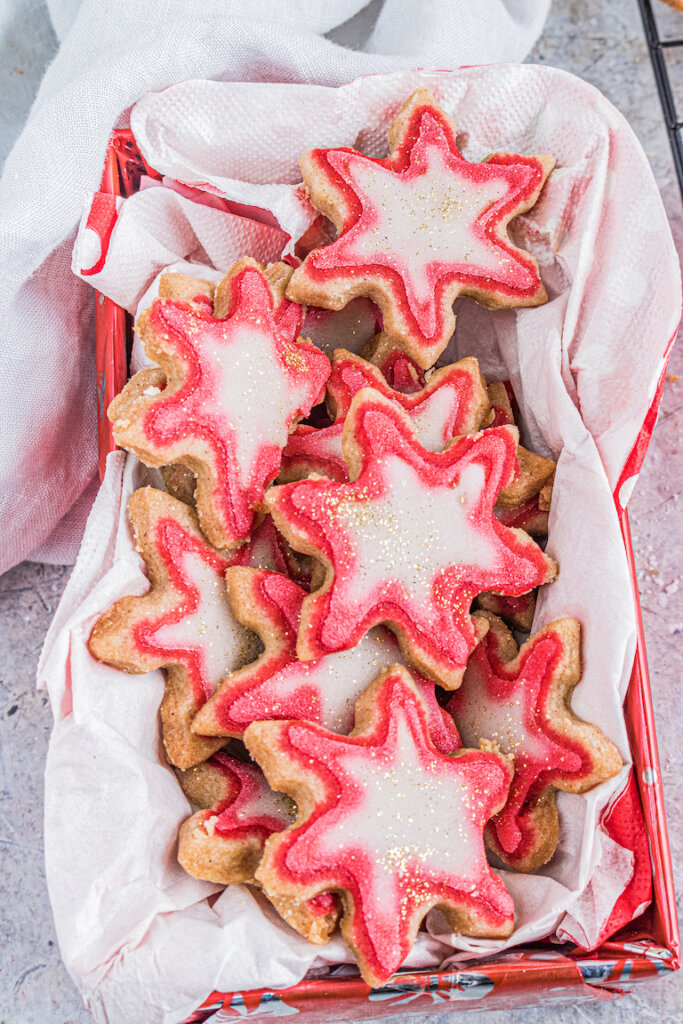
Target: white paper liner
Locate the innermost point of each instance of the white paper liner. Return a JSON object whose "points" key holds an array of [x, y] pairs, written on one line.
{"points": [[136, 933], [156, 227]]}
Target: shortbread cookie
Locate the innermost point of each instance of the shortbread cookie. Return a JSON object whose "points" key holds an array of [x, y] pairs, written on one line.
{"points": [[517, 612], [183, 623], [184, 288], [532, 473], [224, 841], [453, 401], [278, 685], [236, 383], [420, 227], [521, 701], [530, 516], [524, 503], [410, 542], [388, 822], [500, 399], [179, 480]]}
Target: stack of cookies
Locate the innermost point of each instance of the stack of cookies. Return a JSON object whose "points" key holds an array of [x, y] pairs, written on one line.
{"points": [[338, 556]]}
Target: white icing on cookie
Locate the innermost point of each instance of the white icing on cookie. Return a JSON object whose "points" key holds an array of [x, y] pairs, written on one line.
{"points": [[222, 643], [503, 721], [423, 221], [339, 680], [327, 442], [252, 394], [262, 801], [433, 418], [412, 533], [408, 810]]}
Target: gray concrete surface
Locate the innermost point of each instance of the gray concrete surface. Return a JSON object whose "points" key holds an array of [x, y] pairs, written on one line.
{"points": [[603, 43]]}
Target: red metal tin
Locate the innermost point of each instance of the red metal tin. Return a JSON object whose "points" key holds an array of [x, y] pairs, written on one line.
{"points": [[632, 950], [123, 168]]}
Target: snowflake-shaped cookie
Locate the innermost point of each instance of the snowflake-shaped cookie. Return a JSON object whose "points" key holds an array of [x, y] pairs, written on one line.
{"points": [[224, 841], [277, 685], [409, 542], [420, 227], [387, 821], [453, 400], [236, 383], [184, 622], [521, 701]]}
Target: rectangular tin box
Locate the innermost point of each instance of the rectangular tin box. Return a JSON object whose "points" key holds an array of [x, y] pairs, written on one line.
{"points": [[526, 976]]}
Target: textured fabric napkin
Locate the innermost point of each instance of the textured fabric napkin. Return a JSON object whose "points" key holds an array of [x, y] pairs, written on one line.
{"points": [[109, 56]]}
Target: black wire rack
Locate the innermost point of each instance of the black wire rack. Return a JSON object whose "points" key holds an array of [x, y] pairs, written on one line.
{"points": [[657, 47]]}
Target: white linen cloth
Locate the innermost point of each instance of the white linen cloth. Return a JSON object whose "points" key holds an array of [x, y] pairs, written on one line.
{"points": [[110, 55], [585, 369]]}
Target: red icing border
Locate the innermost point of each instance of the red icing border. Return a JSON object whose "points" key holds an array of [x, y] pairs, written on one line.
{"points": [[307, 513], [300, 861], [172, 418], [172, 541], [427, 129], [563, 758], [278, 601]]}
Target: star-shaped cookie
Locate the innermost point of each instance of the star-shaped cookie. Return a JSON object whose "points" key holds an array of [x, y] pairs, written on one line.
{"points": [[388, 822], [420, 227], [409, 542], [224, 841], [521, 701], [277, 685], [183, 623], [453, 400], [236, 382]]}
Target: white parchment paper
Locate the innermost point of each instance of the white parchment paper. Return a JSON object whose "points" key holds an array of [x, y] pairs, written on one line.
{"points": [[136, 932]]}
